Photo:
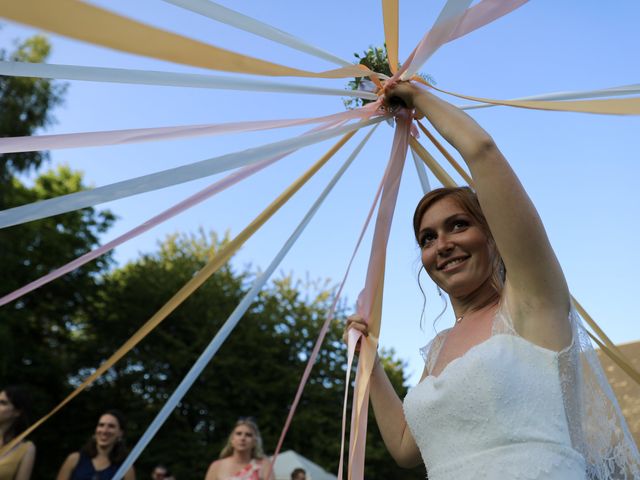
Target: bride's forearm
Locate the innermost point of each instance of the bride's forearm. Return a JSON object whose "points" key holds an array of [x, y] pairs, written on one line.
{"points": [[389, 415]]}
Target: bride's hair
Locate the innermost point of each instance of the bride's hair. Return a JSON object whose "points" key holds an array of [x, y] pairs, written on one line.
{"points": [[468, 201]]}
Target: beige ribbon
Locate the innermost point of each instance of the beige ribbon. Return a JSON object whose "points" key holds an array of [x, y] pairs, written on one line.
{"points": [[391, 27], [611, 106], [430, 162], [79, 20], [447, 155], [221, 257]]}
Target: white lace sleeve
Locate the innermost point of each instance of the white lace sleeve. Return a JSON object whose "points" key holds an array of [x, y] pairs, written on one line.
{"points": [[431, 350], [597, 426]]}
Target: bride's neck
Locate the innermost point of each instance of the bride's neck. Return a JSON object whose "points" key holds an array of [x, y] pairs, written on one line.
{"points": [[477, 300]]}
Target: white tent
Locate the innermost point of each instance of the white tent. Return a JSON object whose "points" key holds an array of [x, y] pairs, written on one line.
{"points": [[290, 460]]}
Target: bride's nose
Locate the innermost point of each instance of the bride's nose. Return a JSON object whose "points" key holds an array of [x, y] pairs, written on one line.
{"points": [[444, 245]]}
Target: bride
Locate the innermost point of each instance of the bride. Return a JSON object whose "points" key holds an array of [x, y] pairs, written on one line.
{"points": [[513, 390]]}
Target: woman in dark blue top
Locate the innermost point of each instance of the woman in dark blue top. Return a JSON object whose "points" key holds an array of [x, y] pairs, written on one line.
{"points": [[102, 455]]}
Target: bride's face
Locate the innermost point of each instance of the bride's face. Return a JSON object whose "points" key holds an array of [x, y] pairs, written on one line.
{"points": [[455, 251]]}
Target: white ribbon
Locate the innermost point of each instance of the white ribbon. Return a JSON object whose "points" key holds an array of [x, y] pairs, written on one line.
{"points": [[135, 135], [169, 79], [230, 17], [229, 324], [449, 18], [575, 95], [167, 178], [422, 172]]}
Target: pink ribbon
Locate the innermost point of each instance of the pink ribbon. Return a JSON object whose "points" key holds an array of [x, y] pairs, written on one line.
{"points": [[325, 326], [207, 192], [371, 296], [473, 18], [136, 135]]}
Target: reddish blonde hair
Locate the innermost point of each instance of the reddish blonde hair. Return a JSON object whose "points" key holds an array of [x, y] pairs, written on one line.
{"points": [[468, 201]]}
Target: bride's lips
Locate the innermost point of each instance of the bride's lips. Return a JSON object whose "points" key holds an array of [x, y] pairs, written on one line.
{"points": [[452, 263]]}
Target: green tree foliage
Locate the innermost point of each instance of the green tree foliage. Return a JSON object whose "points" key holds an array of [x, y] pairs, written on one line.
{"points": [[40, 332], [255, 373], [25, 106], [57, 335], [376, 60]]}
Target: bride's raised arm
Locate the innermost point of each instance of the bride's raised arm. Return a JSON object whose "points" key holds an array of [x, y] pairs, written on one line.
{"points": [[535, 286]]}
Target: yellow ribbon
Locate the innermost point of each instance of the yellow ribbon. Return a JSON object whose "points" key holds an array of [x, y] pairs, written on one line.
{"points": [[430, 162], [446, 155], [391, 27], [618, 360], [79, 20], [367, 358], [612, 106], [191, 286], [596, 328]]}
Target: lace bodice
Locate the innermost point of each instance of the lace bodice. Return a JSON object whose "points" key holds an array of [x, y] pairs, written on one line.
{"points": [[509, 409]]}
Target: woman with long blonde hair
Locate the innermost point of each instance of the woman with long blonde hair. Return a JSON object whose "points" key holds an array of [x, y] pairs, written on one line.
{"points": [[242, 458]]}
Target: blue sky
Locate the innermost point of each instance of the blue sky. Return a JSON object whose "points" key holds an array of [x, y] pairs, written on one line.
{"points": [[580, 170]]}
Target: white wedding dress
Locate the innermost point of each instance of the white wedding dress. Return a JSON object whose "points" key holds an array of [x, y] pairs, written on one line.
{"points": [[509, 409]]}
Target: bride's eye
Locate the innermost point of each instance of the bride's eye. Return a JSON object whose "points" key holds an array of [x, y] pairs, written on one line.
{"points": [[460, 225], [426, 239]]}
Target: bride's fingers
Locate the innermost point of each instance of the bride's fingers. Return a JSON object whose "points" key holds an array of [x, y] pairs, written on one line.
{"points": [[356, 323]]}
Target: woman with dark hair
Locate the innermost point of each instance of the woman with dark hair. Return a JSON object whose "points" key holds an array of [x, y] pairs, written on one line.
{"points": [[15, 405], [242, 458], [513, 390], [102, 455]]}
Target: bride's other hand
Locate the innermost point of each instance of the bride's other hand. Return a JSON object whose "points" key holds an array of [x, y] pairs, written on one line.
{"points": [[399, 93], [358, 323]]}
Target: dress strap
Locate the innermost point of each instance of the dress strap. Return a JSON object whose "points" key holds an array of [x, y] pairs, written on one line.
{"points": [[432, 349]]}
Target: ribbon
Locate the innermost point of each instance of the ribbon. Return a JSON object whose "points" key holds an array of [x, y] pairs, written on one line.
{"points": [[89, 23], [134, 232], [442, 176], [137, 135], [166, 178], [230, 17], [446, 154], [391, 27], [455, 22], [596, 328], [229, 325], [614, 106], [421, 171], [449, 19], [167, 79], [221, 257], [575, 95], [321, 335], [370, 299]]}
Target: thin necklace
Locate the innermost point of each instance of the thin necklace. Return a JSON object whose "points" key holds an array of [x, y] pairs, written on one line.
{"points": [[471, 310]]}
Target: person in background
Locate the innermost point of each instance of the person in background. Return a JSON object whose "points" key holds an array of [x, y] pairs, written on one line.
{"points": [[17, 463], [102, 455], [242, 458], [161, 472], [299, 474]]}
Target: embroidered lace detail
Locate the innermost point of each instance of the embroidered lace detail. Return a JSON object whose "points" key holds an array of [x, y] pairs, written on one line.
{"points": [[584, 434]]}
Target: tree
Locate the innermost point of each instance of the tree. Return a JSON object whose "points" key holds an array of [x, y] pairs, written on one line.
{"points": [[58, 334], [255, 373], [376, 60], [40, 331], [26, 105]]}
